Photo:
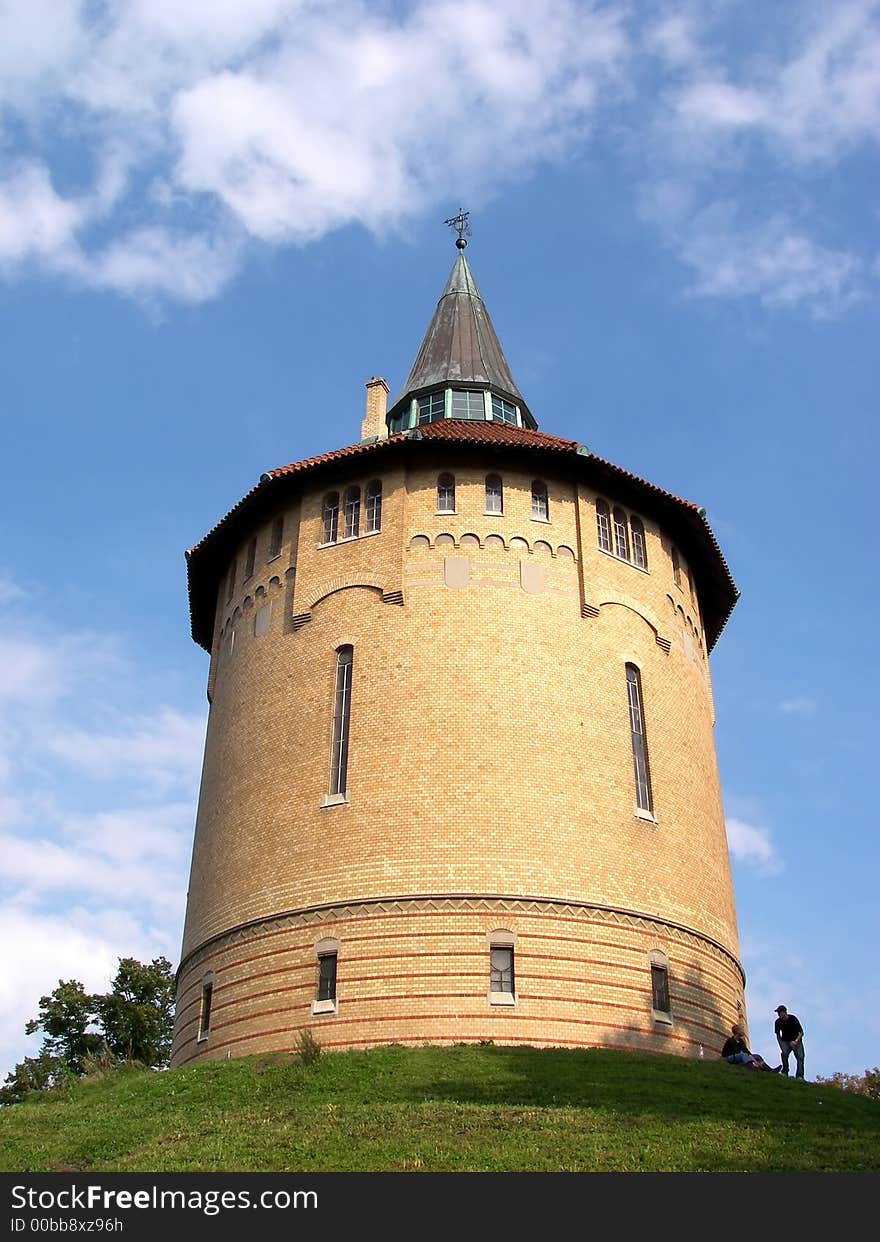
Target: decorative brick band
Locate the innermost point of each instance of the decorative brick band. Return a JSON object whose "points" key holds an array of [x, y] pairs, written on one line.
{"points": [[450, 902]]}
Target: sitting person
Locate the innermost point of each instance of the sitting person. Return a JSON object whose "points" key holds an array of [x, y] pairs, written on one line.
{"points": [[736, 1052]]}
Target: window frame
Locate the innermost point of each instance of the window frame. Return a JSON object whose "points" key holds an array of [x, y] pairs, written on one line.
{"points": [[639, 743], [639, 542], [351, 513], [276, 537], [205, 1008], [448, 488], [474, 400], [660, 990], [620, 532], [494, 491], [341, 734], [251, 559], [540, 501], [330, 519], [373, 506], [603, 525], [430, 408]]}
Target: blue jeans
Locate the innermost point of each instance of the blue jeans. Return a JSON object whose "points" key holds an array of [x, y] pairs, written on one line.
{"points": [[787, 1049]]}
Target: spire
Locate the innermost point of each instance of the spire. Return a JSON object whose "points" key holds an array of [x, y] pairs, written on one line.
{"points": [[461, 345]]}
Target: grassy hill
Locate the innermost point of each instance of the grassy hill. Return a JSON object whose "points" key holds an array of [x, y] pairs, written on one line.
{"points": [[432, 1109]]}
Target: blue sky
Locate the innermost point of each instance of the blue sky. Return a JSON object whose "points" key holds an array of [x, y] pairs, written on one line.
{"points": [[217, 220]]}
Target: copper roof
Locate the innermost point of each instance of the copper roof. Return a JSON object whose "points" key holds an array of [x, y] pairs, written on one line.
{"points": [[461, 345], [683, 520]]}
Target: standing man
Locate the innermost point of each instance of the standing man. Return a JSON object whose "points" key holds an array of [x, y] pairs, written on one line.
{"points": [[790, 1037]]}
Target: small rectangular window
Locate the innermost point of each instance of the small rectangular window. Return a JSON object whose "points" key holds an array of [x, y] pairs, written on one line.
{"points": [[327, 977], [504, 411], [468, 405], [276, 538], [494, 494], [205, 1012], [251, 560], [501, 969], [660, 989], [432, 408]]}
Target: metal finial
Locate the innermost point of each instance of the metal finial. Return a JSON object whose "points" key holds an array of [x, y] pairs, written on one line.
{"points": [[459, 224]]}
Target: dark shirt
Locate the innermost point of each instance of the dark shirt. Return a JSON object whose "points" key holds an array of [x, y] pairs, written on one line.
{"points": [[733, 1046], [788, 1028]]}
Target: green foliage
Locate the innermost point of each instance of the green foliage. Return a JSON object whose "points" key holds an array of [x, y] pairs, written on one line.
{"points": [[64, 1018], [494, 1109], [93, 1035], [307, 1049], [136, 1017], [867, 1084], [40, 1073]]}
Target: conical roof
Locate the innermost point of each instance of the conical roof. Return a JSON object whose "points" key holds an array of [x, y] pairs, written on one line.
{"points": [[461, 345]]}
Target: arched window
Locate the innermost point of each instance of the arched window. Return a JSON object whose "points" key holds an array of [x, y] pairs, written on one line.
{"points": [[603, 525], [640, 547], [639, 741], [230, 582], [330, 517], [250, 560], [494, 494], [374, 505], [676, 567], [341, 720], [540, 503], [446, 493], [621, 535], [352, 512]]}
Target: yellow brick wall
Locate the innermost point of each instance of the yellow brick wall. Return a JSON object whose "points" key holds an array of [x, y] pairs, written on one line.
{"points": [[490, 758]]}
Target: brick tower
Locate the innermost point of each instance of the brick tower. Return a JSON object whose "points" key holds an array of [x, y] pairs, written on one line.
{"points": [[460, 779]]}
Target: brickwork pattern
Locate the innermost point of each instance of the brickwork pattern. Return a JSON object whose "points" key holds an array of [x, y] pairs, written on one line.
{"points": [[489, 754]]}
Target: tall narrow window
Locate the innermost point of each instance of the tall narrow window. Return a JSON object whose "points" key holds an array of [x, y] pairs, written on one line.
{"points": [[205, 1011], [373, 498], [660, 989], [468, 405], [540, 504], [640, 550], [639, 743], [327, 976], [330, 517], [230, 585], [621, 535], [251, 560], [341, 721], [446, 493], [494, 494], [501, 977], [277, 537], [676, 567], [603, 525], [352, 512], [431, 408]]}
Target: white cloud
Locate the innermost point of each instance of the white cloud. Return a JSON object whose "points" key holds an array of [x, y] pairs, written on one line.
{"points": [[773, 261], [800, 705], [162, 750], [753, 846]]}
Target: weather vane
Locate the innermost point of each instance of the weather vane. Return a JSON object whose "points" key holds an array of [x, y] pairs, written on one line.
{"points": [[460, 225]]}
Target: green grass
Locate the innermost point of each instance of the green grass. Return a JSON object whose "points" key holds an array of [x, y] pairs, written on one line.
{"points": [[433, 1109]]}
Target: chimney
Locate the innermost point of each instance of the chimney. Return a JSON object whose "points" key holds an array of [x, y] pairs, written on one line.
{"points": [[374, 426]]}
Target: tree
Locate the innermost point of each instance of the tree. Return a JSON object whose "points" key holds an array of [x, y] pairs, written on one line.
{"points": [[64, 1018], [867, 1084], [132, 1022], [137, 1016]]}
